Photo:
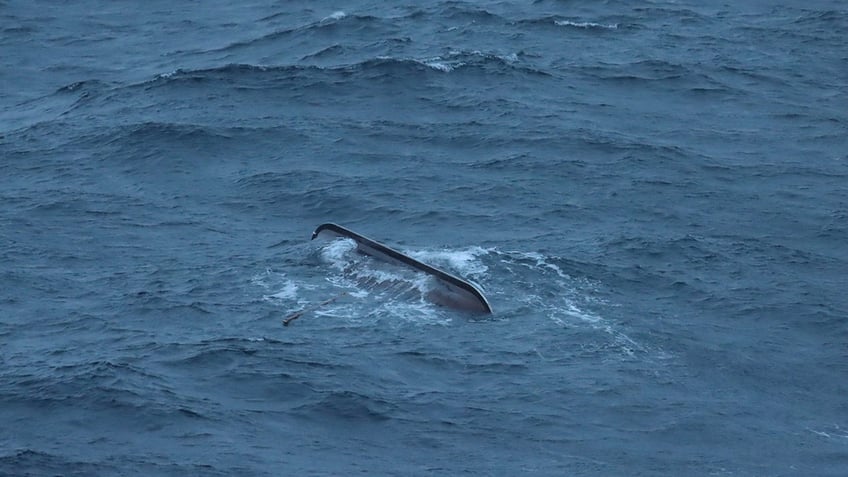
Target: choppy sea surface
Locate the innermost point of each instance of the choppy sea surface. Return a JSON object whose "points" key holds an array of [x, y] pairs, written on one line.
{"points": [[652, 195]]}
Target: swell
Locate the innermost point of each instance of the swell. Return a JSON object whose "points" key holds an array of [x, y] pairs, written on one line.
{"points": [[25, 461], [826, 23], [682, 15], [804, 27], [106, 386], [40, 112], [638, 71], [740, 276], [697, 82], [305, 192], [344, 405], [139, 134], [219, 354]]}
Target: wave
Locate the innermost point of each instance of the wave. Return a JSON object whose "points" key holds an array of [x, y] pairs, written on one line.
{"points": [[335, 50], [833, 20], [339, 20], [84, 87], [465, 12], [159, 147], [452, 11], [648, 70], [315, 193], [33, 462], [143, 133], [233, 71], [482, 16], [481, 61], [691, 78], [683, 15], [579, 24], [248, 76], [96, 385], [348, 406], [256, 359], [51, 107]]}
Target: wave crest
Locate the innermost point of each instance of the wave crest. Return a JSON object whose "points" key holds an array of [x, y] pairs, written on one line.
{"points": [[586, 25]]}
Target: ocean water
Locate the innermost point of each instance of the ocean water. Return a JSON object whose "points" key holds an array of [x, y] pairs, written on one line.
{"points": [[652, 195]]}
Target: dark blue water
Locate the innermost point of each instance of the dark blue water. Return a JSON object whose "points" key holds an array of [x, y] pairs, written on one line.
{"points": [[653, 196]]}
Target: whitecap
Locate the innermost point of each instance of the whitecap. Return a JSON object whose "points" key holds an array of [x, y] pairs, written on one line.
{"points": [[169, 75], [833, 432], [440, 66], [335, 16], [586, 25]]}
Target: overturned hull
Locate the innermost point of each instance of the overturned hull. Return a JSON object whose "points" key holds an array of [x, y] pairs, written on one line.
{"points": [[449, 291]]}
